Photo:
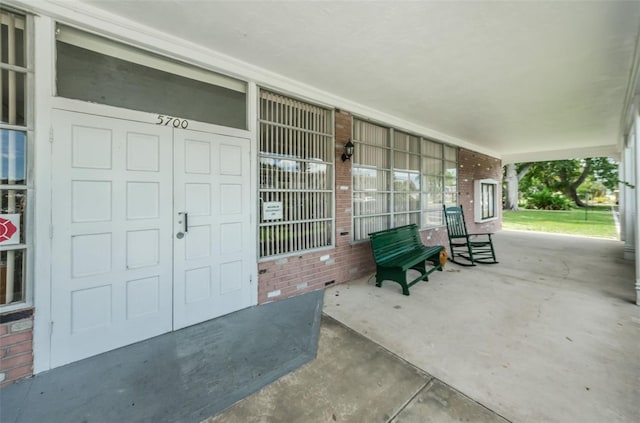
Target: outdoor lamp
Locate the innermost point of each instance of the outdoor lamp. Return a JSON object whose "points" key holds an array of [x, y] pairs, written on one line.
{"points": [[348, 151]]}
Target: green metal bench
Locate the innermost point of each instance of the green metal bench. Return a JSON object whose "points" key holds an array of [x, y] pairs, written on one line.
{"points": [[399, 249]]}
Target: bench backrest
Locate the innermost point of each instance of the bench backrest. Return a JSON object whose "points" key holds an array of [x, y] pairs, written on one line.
{"points": [[390, 243], [456, 225]]}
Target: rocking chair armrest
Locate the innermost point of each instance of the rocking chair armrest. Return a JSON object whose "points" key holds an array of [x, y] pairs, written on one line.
{"points": [[486, 233]]}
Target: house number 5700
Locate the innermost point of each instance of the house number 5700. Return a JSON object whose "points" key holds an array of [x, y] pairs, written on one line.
{"points": [[171, 121]]}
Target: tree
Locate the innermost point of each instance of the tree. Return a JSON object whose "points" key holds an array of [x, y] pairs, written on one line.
{"points": [[566, 176], [514, 173]]}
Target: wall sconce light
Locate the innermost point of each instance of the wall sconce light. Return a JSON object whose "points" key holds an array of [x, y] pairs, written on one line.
{"points": [[348, 151]]}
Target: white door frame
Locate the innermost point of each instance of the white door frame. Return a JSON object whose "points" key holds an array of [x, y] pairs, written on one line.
{"points": [[43, 316]]}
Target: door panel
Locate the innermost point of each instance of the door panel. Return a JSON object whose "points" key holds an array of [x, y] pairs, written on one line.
{"points": [[112, 243], [212, 260]]}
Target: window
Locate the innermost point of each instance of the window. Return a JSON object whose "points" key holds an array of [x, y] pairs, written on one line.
{"points": [[406, 179], [400, 182], [371, 172], [439, 165], [99, 70], [450, 164], [295, 176], [14, 164], [485, 191]]}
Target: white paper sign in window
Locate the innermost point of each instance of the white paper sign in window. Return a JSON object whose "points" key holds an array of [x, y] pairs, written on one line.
{"points": [[272, 210]]}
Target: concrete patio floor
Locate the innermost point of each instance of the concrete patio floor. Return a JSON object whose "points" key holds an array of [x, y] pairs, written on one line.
{"points": [[550, 334]]}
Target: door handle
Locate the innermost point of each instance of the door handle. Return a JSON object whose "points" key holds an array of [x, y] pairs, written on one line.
{"points": [[185, 224]]}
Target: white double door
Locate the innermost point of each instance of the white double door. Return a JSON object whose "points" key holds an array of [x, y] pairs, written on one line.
{"points": [[151, 231]]}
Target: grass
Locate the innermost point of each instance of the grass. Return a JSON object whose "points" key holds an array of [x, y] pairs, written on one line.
{"points": [[598, 223]]}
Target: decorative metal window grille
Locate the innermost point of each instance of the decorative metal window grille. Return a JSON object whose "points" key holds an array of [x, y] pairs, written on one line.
{"points": [[399, 179], [296, 162], [15, 90]]}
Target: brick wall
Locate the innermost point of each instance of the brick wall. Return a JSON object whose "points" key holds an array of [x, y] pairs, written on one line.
{"points": [[16, 346], [472, 166], [294, 275]]}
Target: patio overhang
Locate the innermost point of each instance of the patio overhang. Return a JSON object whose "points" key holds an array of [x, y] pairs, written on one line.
{"points": [[525, 80]]}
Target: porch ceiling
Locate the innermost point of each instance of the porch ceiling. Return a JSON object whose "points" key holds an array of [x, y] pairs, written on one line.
{"points": [[522, 80]]}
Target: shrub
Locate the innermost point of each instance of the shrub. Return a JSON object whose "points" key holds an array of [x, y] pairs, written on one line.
{"points": [[547, 200], [601, 200]]}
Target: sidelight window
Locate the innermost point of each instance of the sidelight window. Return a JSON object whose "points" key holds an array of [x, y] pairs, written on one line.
{"points": [[15, 135]]}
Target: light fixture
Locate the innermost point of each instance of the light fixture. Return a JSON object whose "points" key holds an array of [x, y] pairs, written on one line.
{"points": [[348, 151]]}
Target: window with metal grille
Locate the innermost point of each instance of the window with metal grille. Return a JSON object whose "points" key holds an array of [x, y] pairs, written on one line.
{"points": [[15, 129], [295, 176], [398, 179]]}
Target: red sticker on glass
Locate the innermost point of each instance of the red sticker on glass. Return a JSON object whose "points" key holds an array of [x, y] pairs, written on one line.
{"points": [[7, 229]]}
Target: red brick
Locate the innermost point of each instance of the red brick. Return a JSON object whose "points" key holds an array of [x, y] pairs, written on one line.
{"points": [[16, 338], [4, 329], [16, 361], [20, 348], [18, 373]]}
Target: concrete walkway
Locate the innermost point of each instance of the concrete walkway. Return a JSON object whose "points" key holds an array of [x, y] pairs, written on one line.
{"points": [[356, 380], [550, 334]]}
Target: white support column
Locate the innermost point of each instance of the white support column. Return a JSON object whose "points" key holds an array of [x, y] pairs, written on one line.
{"points": [[627, 198], [634, 166], [622, 168], [44, 39]]}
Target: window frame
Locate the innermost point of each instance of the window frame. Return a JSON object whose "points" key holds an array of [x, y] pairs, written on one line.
{"points": [[480, 201], [28, 187]]}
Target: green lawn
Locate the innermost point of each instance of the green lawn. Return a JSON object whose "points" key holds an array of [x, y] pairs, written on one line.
{"points": [[599, 221]]}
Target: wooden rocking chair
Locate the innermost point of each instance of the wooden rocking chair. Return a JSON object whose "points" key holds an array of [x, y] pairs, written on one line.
{"points": [[475, 248]]}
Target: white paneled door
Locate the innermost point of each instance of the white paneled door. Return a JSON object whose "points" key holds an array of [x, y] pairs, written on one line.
{"points": [[212, 226], [151, 231]]}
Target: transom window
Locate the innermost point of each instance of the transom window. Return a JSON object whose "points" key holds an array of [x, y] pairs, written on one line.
{"points": [[15, 129], [296, 176], [399, 178], [99, 70]]}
